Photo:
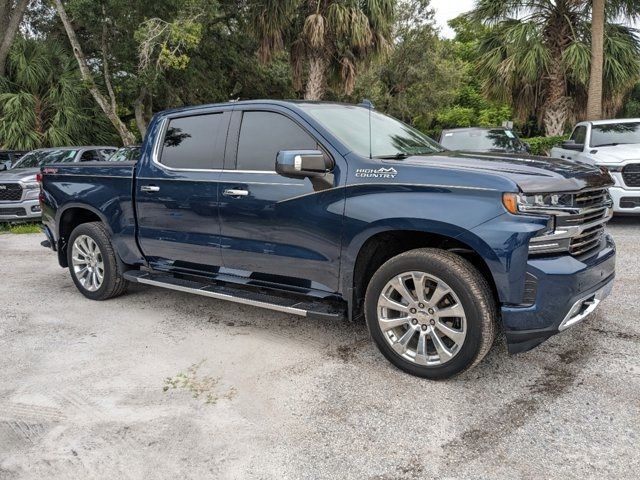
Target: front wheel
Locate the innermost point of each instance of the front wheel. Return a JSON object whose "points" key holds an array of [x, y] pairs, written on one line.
{"points": [[93, 264], [431, 313]]}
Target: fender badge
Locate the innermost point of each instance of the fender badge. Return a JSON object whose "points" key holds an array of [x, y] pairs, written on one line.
{"points": [[50, 170], [376, 172]]}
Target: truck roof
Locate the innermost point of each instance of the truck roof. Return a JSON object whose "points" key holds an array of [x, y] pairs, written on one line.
{"points": [[613, 120], [285, 103]]}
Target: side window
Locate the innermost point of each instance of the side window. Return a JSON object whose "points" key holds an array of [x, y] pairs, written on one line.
{"points": [[90, 156], [579, 134], [190, 142], [263, 135], [106, 154]]}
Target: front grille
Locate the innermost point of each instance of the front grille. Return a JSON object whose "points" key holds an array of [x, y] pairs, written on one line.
{"points": [[631, 175], [588, 240], [10, 192], [16, 212], [590, 212]]}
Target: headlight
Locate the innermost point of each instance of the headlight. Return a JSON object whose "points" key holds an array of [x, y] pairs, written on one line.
{"points": [[545, 202], [31, 186]]}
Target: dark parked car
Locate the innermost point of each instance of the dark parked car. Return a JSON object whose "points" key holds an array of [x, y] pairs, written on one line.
{"points": [[9, 157], [126, 154], [324, 209], [477, 139]]}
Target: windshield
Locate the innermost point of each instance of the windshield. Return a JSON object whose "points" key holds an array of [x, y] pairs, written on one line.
{"points": [[389, 137], [39, 158], [615, 134], [479, 140]]}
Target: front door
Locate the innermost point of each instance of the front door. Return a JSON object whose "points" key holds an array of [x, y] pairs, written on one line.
{"points": [[177, 194], [273, 228]]}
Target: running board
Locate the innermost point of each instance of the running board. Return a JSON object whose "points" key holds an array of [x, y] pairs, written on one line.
{"points": [[272, 301]]}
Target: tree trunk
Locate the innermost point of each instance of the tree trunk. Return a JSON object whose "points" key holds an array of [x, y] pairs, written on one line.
{"points": [[316, 82], [127, 137], [594, 102], [141, 109], [557, 105], [10, 21]]}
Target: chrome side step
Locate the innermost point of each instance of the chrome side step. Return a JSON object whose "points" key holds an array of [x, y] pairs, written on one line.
{"points": [[272, 301]]}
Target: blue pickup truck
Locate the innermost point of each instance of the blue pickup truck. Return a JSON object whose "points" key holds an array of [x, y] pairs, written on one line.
{"points": [[324, 210]]}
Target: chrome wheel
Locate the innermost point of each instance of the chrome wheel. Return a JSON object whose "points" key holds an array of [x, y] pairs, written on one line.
{"points": [[88, 264], [422, 318]]}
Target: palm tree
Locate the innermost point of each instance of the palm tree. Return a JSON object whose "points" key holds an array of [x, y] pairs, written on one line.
{"points": [[327, 39], [594, 101], [537, 56], [43, 102]]}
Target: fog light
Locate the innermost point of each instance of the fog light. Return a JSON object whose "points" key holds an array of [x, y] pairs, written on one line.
{"points": [[36, 209]]}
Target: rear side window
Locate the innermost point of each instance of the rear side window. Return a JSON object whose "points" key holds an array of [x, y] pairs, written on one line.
{"points": [[91, 156], [579, 135], [263, 135], [190, 142]]}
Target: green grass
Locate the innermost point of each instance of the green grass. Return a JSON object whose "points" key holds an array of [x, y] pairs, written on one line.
{"points": [[19, 228]]}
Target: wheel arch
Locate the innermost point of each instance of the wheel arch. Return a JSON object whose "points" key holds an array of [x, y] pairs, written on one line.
{"points": [[367, 253], [68, 218]]}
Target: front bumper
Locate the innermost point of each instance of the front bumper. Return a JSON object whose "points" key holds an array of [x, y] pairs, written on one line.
{"points": [[20, 211], [568, 290], [625, 201]]}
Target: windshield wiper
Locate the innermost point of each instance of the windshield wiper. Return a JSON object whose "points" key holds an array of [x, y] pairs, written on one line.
{"points": [[610, 145], [395, 156]]}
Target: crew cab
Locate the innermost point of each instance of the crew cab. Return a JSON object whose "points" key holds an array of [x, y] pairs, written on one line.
{"points": [[323, 210], [614, 145]]}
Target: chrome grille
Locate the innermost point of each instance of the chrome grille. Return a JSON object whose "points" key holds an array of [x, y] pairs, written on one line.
{"points": [[579, 224], [588, 240], [10, 192], [631, 175]]}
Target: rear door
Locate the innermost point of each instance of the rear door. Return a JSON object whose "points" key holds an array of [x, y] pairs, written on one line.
{"points": [[274, 228], [177, 193]]}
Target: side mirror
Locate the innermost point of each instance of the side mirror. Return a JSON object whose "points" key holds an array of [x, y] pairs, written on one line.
{"points": [[303, 163], [572, 145], [3, 167], [526, 146]]}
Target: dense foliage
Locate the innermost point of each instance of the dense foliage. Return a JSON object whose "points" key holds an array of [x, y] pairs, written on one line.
{"points": [[149, 55]]}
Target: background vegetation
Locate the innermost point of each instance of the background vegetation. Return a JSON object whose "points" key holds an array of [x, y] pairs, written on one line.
{"points": [[522, 61]]}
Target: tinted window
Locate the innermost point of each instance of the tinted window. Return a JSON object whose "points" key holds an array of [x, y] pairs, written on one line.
{"points": [[189, 142], [90, 156], [263, 135], [579, 135]]}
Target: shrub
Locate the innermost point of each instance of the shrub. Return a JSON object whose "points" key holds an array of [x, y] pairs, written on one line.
{"points": [[543, 145]]}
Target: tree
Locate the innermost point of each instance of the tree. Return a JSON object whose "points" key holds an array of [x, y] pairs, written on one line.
{"points": [[594, 101], [43, 102], [422, 73], [108, 105], [11, 14], [327, 39], [536, 56]]}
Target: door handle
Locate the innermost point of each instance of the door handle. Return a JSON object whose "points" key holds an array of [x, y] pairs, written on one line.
{"points": [[149, 188], [231, 192]]}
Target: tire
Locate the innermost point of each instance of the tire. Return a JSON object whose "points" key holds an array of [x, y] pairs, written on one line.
{"points": [[82, 239], [413, 334]]}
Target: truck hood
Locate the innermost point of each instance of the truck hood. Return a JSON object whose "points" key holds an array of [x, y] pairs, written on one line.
{"points": [[616, 153], [19, 175], [532, 174]]}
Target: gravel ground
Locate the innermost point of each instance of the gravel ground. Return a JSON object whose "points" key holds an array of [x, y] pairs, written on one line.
{"points": [[160, 384]]}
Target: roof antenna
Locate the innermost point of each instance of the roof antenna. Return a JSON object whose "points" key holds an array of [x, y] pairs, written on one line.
{"points": [[366, 103]]}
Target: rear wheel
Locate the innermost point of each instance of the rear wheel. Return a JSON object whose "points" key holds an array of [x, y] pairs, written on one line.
{"points": [[93, 264], [431, 313]]}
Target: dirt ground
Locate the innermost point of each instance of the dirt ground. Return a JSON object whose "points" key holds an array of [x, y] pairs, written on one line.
{"points": [[165, 385]]}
